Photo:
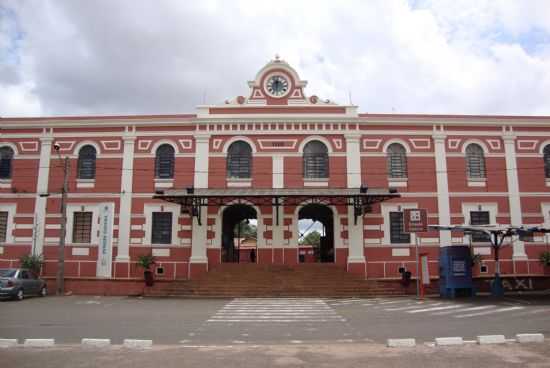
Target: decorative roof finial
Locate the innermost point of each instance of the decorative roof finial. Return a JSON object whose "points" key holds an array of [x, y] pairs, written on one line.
{"points": [[277, 57]]}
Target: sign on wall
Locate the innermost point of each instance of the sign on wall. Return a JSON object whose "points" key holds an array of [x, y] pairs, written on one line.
{"points": [[105, 247], [415, 220]]}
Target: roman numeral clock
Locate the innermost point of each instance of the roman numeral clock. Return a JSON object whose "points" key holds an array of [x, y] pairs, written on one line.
{"points": [[277, 86]]}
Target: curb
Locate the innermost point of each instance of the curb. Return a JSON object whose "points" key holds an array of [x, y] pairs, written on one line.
{"points": [[8, 343], [401, 343], [448, 341], [137, 344], [96, 343], [491, 339], [39, 343], [533, 337]]}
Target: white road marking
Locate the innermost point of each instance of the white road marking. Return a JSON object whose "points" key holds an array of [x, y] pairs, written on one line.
{"points": [[276, 310], [436, 308], [411, 307], [488, 312], [464, 310]]}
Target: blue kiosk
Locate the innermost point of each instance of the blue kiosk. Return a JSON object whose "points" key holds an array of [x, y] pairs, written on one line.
{"points": [[455, 271]]}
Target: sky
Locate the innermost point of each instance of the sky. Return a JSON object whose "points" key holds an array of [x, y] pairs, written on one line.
{"points": [[104, 57]]}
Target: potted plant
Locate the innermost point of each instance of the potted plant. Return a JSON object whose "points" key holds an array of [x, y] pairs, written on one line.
{"points": [[32, 263], [545, 258], [146, 261]]}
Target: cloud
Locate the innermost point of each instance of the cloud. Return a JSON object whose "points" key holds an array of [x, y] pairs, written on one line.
{"points": [[128, 57]]}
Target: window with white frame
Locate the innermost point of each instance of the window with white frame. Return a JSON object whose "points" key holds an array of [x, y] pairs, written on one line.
{"points": [[397, 236], [6, 162], [161, 228], [315, 160], [475, 161], [546, 157], [3, 226], [239, 160], [397, 161], [480, 218], [164, 162], [86, 162], [82, 227]]}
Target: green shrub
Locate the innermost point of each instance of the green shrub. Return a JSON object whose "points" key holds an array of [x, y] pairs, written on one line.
{"points": [[32, 262], [146, 260], [545, 258]]}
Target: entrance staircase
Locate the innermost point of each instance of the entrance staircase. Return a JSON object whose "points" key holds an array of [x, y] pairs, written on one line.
{"points": [[252, 280]]}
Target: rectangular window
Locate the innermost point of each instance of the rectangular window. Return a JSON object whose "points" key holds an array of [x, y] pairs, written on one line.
{"points": [[316, 166], [480, 218], [161, 228], [397, 235], [82, 227], [3, 226]]}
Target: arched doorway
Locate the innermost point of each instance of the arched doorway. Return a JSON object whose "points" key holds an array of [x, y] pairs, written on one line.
{"points": [[239, 234], [316, 233]]}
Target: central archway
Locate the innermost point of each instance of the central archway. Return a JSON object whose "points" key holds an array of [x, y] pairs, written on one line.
{"points": [[315, 217], [239, 234]]}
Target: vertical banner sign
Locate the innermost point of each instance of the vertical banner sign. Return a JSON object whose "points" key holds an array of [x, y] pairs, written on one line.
{"points": [[105, 249]]}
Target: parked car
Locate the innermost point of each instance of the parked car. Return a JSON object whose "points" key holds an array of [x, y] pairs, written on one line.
{"points": [[19, 282]]}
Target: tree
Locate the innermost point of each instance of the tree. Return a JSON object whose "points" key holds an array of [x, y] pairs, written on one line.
{"points": [[245, 230], [312, 238]]}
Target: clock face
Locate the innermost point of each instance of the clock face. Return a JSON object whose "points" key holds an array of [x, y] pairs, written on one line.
{"points": [[277, 86]]}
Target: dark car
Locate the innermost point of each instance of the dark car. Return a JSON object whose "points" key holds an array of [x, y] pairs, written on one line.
{"points": [[17, 283]]}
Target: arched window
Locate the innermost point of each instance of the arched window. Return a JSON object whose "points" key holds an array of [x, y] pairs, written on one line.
{"points": [[6, 157], [164, 162], [86, 162], [315, 160], [239, 160], [546, 153], [397, 161], [475, 161]]}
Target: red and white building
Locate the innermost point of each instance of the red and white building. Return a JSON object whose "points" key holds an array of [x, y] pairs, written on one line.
{"points": [[461, 168]]}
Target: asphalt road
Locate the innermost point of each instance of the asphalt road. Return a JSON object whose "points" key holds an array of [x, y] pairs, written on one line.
{"points": [[269, 321], [318, 356]]}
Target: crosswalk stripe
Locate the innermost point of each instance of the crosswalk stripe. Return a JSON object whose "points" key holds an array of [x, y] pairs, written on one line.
{"points": [[465, 310], [436, 308], [412, 307], [276, 310], [488, 312]]}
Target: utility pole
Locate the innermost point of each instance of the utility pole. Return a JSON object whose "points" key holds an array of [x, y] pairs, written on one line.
{"points": [[61, 257]]}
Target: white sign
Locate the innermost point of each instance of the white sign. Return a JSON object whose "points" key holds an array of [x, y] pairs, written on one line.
{"points": [[105, 250]]}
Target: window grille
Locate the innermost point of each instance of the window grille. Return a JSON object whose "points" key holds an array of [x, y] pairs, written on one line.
{"points": [[475, 161], [396, 229], [161, 228], [82, 227], [315, 160], [480, 218], [164, 162], [86, 162], [6, 160], [546, 153], [397, 161], [239, 160], [3, 226]]}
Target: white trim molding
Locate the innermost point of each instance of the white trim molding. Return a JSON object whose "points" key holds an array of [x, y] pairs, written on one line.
{"points": [[84, 207], [492, 208], [11, 210], [385, 209], [148, 210]]}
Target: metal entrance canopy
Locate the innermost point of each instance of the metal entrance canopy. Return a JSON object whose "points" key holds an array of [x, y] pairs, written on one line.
{"points": [[193, 199]]}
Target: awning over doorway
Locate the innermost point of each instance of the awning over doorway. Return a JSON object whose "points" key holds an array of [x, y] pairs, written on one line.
{"points": [[193, 199]]}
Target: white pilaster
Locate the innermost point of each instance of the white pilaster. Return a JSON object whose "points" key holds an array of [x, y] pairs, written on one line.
{"points": [[202, 149], [125, 214], [355, 231], [278, 231], [443, 206], [199, 232], [513, 192], [353, 160], [41, 188], [278, 171]]}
